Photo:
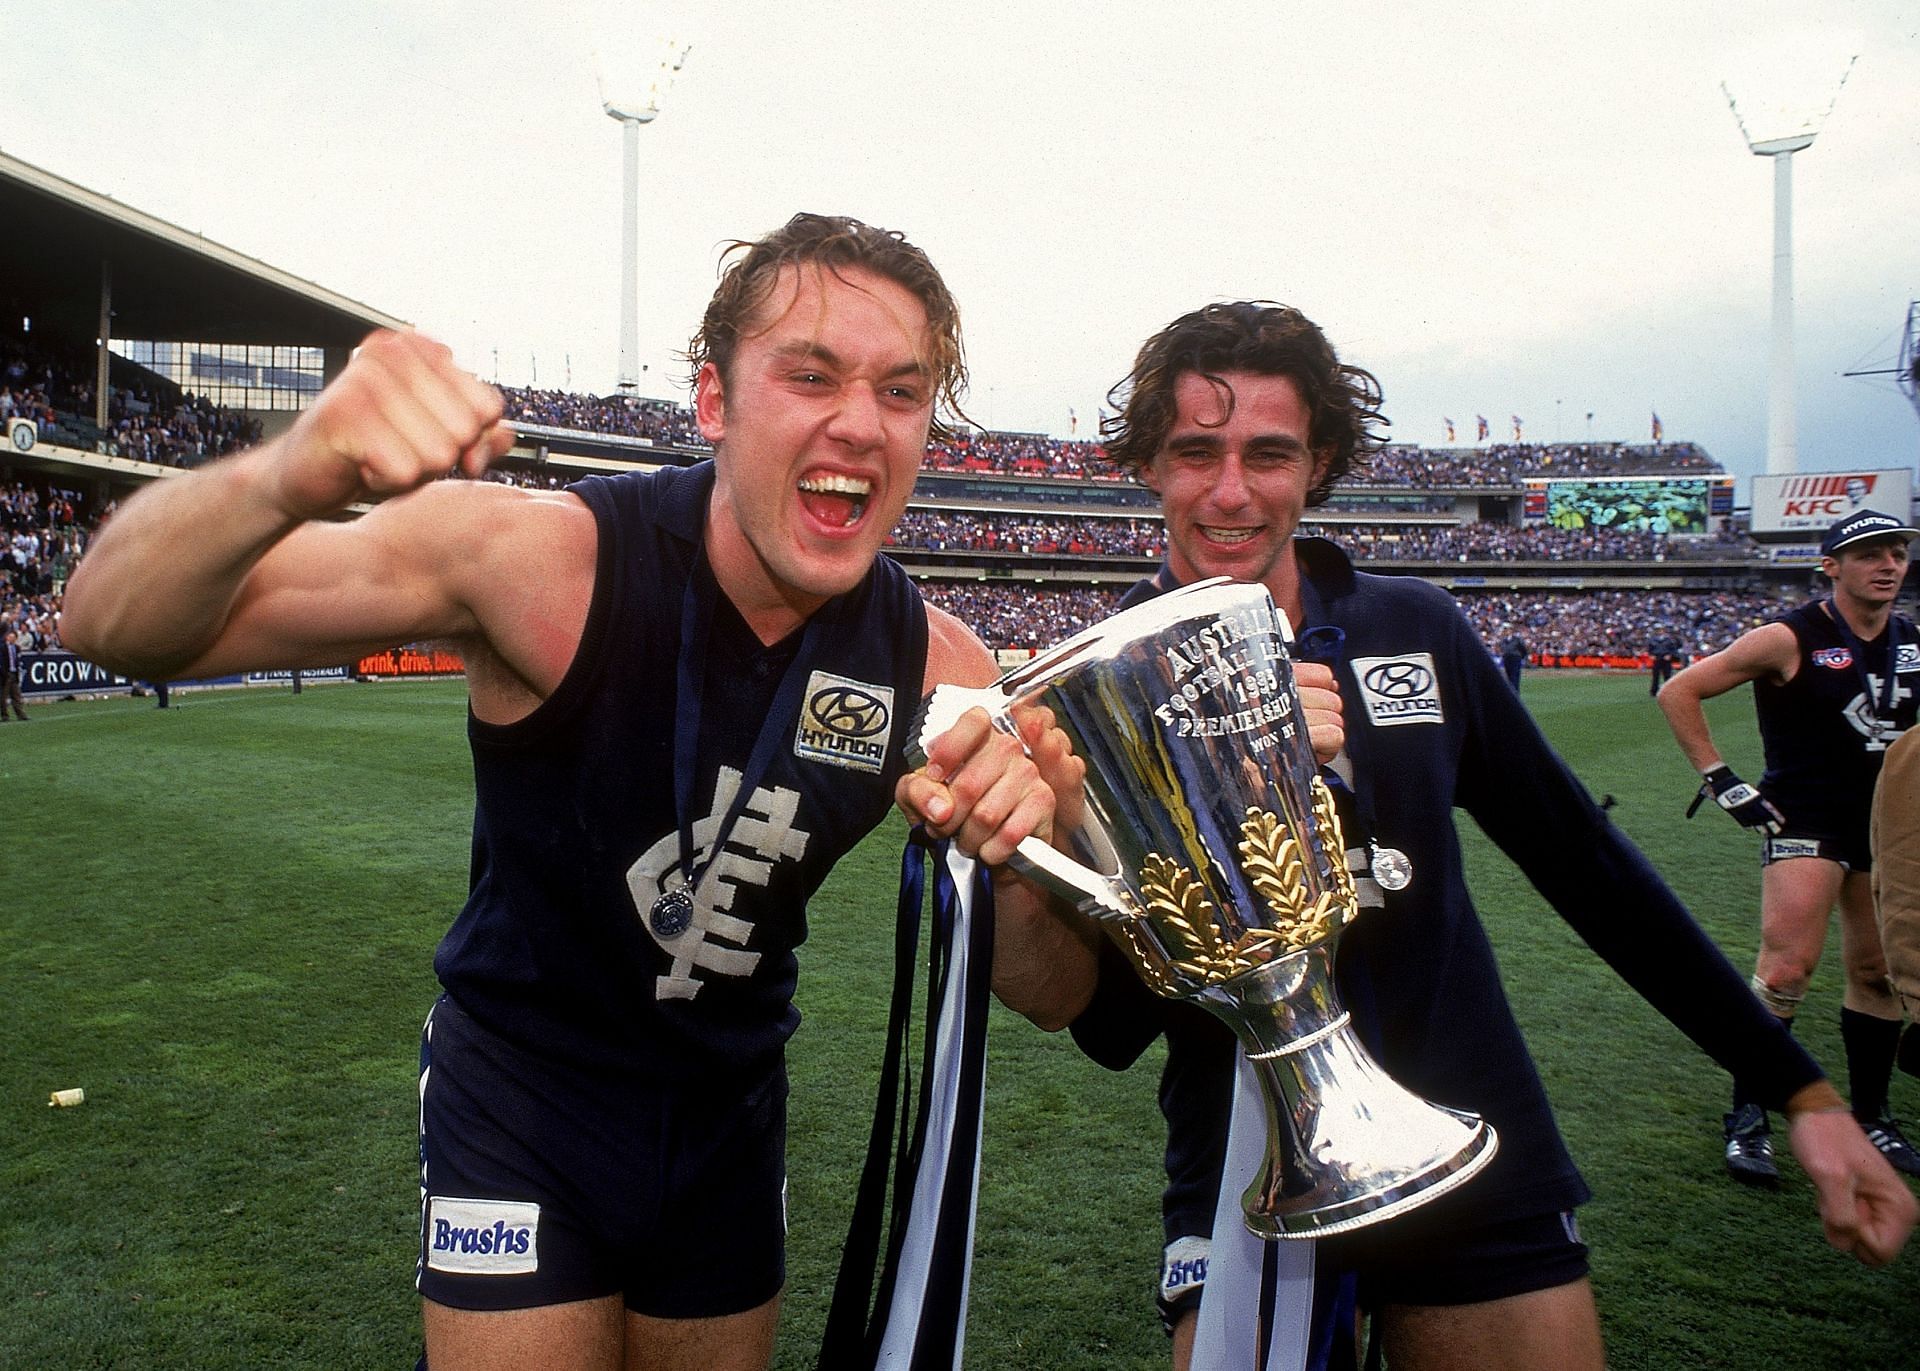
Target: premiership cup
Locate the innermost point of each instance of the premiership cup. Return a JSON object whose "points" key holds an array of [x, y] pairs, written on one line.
{"points": [[1212, 844]]}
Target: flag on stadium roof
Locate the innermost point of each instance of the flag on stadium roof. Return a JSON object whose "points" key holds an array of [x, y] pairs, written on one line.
{"points": [[1449, 424], [1483, 427], [1656, 426]]}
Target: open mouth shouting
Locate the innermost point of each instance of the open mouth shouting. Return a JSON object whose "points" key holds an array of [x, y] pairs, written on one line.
{"points": [[835, 500]]}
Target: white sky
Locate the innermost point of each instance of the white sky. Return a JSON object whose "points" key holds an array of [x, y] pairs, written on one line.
{"points": [[1499, 209]]}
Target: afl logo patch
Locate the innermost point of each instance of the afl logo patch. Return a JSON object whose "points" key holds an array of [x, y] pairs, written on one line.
{"points": [[844, 722], [1839, 658], [1906, 658], [1399, 690]]}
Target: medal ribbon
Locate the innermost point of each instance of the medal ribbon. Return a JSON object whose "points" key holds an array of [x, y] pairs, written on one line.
{"points": [[696, 618]]}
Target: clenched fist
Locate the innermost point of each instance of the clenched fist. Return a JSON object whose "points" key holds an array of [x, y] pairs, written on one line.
{"points": [[400, 415]]}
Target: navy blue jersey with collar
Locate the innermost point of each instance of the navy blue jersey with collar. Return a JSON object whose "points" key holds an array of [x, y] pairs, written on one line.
{"points": [[575, 833], [1432, 726], [1823, 737]]}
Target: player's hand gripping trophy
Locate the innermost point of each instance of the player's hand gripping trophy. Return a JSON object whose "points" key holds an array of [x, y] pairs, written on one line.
{"points": [[1212, 843]]}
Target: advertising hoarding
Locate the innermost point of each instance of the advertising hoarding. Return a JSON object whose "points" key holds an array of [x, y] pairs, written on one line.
{"points": [[1809, 501]]}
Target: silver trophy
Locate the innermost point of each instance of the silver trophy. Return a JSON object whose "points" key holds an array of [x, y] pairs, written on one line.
{"points": [[1211, 842]]}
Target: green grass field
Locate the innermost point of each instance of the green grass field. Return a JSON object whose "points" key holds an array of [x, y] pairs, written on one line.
{"points": [[219, 921]]}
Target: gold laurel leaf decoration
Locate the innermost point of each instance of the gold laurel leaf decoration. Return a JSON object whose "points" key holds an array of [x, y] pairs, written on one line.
{"points": [[1345, 901], [1274, 866], [1178, 906], [1271, 860]]}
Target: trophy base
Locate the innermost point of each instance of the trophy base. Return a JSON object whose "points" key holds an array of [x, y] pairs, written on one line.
{"points": [[1303, 1217], [1347, 1145]]}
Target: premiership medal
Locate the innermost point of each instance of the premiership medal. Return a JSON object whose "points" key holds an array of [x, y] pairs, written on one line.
{"points": [[1391, 869], [672, 913]]}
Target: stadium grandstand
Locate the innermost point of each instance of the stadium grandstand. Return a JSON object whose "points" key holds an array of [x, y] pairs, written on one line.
{"points": [[131, 348]]}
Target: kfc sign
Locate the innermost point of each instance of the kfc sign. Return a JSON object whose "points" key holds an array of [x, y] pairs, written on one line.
{"points": [[1810, 501]]}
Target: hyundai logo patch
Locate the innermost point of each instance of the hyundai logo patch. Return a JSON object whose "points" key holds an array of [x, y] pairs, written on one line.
{"points": [[845, 723], [1399, 690]]}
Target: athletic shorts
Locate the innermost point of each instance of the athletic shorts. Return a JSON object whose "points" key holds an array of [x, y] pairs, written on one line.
{"points": [[1854, 854], [540, 1184], [1404, 1261]]}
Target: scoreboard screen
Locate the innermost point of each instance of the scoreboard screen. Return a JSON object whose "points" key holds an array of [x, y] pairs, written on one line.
{"points": [[1659, 505]]}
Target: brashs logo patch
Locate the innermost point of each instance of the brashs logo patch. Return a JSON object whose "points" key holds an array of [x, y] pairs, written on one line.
{"points": [[482, 1237]]}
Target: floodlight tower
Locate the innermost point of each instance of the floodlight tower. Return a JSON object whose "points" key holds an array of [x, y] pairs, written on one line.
{"points": [[1777, 128], [636, 109], [1910, 355]]}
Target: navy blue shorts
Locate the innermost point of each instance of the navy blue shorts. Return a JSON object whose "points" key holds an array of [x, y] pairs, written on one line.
{"points": [[542, 1185], [1853, 854], [1405, 1261]]}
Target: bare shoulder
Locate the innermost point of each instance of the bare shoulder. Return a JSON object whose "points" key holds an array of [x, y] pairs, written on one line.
{"points": [[1770, 652], [490, 517], [482, 539], [955, 655], [522, 563]]}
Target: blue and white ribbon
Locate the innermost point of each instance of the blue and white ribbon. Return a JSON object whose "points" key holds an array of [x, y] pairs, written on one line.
{"points": [[918, 1319]]}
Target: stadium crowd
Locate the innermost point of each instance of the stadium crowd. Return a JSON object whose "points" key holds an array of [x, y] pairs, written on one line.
{"points": [[182, 432], [160, 423], [43, 530], [660, 421], [42, 534], [940, 530], [157, 423], [1034, 454], [1617, 623], [1022, 454], [1022, 615], [1506, 464], [1587, 624], [527, 480], [1488, 541]]}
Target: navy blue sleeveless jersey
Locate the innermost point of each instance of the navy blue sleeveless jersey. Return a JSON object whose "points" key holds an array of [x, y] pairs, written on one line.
{"points": [[574, 828], [1822, 733]]}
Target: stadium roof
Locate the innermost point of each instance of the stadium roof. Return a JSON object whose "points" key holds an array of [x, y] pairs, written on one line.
{"points": [[169, 284]]}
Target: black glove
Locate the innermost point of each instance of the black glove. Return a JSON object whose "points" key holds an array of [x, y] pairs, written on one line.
{"points": [[1749, 806]]}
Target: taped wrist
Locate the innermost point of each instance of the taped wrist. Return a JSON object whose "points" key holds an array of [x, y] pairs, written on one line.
{"points": [[1781, 1004]]}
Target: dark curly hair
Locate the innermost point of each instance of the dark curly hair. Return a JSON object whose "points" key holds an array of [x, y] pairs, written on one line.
{"points": [[838, 244], [1343, 402]]}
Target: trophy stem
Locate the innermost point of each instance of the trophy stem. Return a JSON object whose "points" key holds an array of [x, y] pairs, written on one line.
{"points": [[1347, 1145]]}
